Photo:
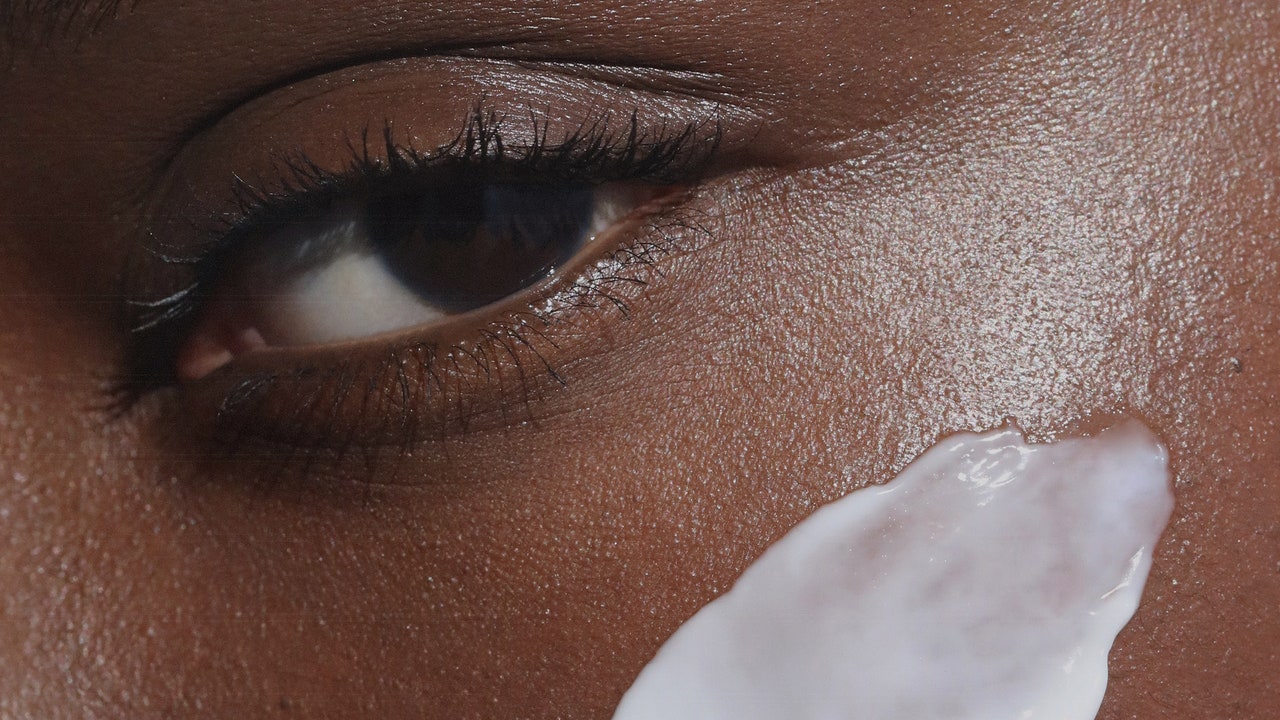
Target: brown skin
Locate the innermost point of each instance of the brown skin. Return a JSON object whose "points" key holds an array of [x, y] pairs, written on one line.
{"points": [[926, 219]]}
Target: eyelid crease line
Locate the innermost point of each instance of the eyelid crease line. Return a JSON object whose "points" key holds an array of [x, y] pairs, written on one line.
{"points": [[687, 83], [460, 51]]}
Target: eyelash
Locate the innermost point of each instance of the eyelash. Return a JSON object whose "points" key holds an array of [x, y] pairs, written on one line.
{"points": [[593, 153]]}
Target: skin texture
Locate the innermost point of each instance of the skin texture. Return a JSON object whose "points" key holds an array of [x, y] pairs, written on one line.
{"points": [[926, 218]]}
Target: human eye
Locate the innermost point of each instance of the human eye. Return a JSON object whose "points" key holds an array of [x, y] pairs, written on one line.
{"points": [[399, 287], [403, 239]]}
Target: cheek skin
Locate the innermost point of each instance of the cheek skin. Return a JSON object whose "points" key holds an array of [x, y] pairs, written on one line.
{"points": [[1052, 272], [1046, 268]]}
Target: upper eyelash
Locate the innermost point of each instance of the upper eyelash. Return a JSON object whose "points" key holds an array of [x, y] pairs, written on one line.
{"points": [[593, 153]]}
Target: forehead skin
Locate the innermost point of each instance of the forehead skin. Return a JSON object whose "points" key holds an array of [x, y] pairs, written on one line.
{"points": [[946, 215]]}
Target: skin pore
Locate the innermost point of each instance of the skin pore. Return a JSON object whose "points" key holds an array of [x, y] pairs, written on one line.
{"points": [[920, 219]]}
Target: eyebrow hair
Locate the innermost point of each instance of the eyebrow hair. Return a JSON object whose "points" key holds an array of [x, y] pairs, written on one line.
{"points": [[36, 22]]}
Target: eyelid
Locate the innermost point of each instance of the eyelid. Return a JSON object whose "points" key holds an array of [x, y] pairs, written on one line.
{"points": [[427, 95]]}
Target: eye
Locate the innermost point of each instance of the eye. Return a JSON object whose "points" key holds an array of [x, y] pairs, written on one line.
{"points": [[410, 293], [405, 255]]}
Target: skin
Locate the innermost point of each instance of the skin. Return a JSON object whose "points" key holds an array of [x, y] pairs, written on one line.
{"points": [[926, 219]]}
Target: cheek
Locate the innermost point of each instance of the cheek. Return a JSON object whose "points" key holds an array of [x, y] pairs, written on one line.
{"points": [[902, 311]]}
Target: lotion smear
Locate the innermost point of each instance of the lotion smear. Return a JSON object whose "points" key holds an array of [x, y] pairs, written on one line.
{"points": [[985, 582]]}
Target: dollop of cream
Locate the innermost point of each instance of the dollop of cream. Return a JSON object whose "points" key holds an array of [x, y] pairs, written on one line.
{"points": [[987, 581]]}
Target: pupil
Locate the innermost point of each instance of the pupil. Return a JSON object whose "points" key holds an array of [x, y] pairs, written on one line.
{"points": [[471, 244]]}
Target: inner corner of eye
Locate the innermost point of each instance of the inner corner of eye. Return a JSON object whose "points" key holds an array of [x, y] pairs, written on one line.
{"points": [[396, 264]]}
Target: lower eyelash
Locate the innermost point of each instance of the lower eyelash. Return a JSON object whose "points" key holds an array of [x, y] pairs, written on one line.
{"points": [[415, 392]]}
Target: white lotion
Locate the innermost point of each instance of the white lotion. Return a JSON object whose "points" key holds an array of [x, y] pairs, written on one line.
{"points": [[986, 582]]}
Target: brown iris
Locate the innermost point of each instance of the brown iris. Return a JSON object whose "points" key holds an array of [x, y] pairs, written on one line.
{"points": [[469, 244]]}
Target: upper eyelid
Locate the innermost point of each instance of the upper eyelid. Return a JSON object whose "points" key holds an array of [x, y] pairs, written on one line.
{"points": [[687, 84], [659, 84], [655, 156], [399, 87]]}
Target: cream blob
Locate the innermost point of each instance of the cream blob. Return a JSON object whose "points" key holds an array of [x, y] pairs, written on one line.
{"points": [[986, 582]]}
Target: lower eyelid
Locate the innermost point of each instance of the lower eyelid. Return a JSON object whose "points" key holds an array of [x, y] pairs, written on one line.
{"points": [[466, 378]]}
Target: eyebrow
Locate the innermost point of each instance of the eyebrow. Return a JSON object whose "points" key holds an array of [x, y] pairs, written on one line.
{"points": [[35, 22]]}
